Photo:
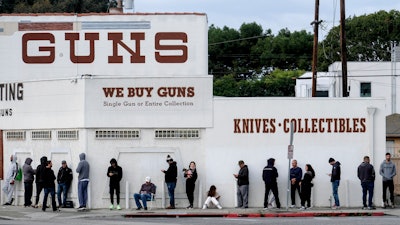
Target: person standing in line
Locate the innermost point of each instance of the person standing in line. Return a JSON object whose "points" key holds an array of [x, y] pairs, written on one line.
{"points": [[49, 186], [212, 196], [387, 170], [243, 185], [83, 181], [335, 180], [170, 179], [366, 174], [306, 185], [64, 179], [9, 182], [191, 177], [270, 174], [28, 181], [114, 172], [296, 173], [39, 179]]}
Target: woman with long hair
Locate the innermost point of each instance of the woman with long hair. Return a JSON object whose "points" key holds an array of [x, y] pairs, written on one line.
{"points": [[306, 185], [191, 177], [212, 196]]}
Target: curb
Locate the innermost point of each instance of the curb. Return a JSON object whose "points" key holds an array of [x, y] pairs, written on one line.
{"points": [[257, 215]]}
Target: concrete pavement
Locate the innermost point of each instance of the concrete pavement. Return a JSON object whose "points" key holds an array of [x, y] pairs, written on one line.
{"points": [[28, 213]]}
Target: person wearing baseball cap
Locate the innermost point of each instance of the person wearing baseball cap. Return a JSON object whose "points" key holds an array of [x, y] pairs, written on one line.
{"points": [[144, 194], [64, 179]]}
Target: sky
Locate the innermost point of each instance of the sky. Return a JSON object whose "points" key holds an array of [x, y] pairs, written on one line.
{"points": [[295, 15]]}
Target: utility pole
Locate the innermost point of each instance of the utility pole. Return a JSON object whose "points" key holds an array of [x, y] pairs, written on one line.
{"points": [[343, 47], [316, 23]]}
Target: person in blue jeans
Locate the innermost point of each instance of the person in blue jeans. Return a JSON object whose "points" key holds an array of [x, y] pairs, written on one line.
{"points": [[64, 179], [144, 194], [366, 174], [170, 179], [49, 186], [335, 180], [83, 181]]}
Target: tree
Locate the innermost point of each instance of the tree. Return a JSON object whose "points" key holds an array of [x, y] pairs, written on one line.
{"points": [[368, 38]]}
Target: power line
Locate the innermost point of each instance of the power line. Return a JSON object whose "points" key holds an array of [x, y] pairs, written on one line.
{"points": [[240, 39]]}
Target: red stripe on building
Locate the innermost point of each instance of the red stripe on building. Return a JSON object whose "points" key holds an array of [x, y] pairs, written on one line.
{"points": [[45, 26]]}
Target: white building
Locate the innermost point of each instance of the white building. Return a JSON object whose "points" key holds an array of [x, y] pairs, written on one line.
{"points": [[365, 79], [135, 88]]}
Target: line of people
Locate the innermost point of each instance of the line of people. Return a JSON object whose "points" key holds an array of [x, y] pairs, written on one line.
{"points": [[302, 183], [44, 178]]}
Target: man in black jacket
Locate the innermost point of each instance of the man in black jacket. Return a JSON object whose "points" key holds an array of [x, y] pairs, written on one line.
{"points": [[114, 172], [170, 180], [64, 179], [335, 180], [366, 174], [243, 185], [270, 173], [39, 178], [49, 186]]}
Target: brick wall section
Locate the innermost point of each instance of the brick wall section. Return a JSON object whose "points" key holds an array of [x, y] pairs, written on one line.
{"points": [[45, 26]]}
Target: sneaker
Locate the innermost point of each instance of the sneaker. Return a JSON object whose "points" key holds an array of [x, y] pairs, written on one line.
{"points": [[138, 208], [118, 207], [190, 207], [364, 208], [335, 207], [302, 208], [111, 207], [266, 208], [392, 206], [292, 206], [145, 208], [7, 203], [371, 208], [170, 207]]}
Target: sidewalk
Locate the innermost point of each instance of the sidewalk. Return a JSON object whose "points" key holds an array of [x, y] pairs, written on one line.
{"points": [[28, 213]]}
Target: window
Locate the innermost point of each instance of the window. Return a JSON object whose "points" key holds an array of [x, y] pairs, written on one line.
{"points": [[365, 90], [41, 135], [117, 134], [16, 135], [68, 134], [177, 133]]}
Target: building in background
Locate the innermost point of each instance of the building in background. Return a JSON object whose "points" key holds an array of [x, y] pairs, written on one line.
{"points": [[135, 87]]}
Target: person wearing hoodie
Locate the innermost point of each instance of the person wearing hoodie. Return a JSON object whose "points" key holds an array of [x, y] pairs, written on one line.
{"points": [[83, 181], [64, 179], [170, 179], [335, 180], [270, 174], [387, 170], [39, 178], [366, 174], [9, 182], [29, 173], [114, 172], [243, 185], [49, 186]]}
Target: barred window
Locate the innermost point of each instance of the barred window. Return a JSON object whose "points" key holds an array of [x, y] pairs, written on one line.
{"points": [[16, 135], [177, 133], [41, 135], [117, 134], [68, 134]]}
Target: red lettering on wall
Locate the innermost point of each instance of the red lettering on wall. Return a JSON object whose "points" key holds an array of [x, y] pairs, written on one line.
{"points": [[171, 58], [135, 55], [38, 37], [72, 37]]}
